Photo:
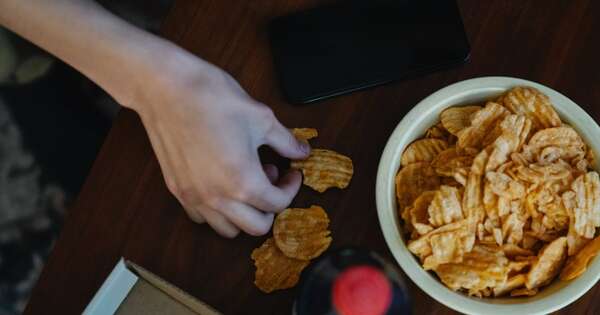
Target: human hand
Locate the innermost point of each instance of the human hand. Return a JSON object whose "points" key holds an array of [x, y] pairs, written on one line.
{"points": [[205, 131]]}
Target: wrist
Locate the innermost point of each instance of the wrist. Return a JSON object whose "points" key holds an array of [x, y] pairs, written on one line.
{"points": [[162, 69]]}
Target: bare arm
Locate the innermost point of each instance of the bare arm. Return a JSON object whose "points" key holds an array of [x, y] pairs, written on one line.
{"points": [[204, 128]]}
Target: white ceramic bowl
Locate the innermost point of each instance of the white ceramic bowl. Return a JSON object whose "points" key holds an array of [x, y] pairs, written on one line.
{"points": [[412, 127]]}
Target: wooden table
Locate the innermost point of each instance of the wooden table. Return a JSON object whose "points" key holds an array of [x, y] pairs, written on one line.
{"points": [[125, 209]]}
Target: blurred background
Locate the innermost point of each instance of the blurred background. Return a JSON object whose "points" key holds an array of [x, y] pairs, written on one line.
{"points": [[53, 122]]}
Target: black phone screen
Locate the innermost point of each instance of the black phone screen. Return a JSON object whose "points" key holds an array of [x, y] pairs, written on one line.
{"points": [[355, 44]]}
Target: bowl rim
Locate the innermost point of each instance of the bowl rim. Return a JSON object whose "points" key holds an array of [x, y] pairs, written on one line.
{"points": [[386, 203]]}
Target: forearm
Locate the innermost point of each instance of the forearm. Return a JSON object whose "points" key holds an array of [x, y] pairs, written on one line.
{"points": [[111, 52]]}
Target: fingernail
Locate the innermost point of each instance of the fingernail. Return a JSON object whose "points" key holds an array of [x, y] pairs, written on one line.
{"points": [[304, 147]]}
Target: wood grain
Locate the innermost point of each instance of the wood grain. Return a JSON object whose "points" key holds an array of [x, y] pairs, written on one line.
{"points": [[125, 210]]}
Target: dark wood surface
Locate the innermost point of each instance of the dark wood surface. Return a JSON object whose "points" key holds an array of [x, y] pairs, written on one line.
{"points": [[125, 209]]}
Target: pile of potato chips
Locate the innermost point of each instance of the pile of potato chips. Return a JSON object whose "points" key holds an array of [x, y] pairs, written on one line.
{"points": [[300, 235], [500, 198]]}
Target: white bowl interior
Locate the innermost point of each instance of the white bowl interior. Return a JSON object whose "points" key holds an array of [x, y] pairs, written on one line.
{"points": [[412, 127]]}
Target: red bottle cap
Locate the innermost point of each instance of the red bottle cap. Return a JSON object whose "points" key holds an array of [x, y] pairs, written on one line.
{"points": [[362, 290]]}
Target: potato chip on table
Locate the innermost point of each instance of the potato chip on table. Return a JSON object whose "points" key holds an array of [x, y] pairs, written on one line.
{"points": [[274, 270], [302, 233], [324, 169], [305, 134]]}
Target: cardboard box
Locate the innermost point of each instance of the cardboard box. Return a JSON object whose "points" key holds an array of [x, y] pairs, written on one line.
{"points": [[131, 289]]}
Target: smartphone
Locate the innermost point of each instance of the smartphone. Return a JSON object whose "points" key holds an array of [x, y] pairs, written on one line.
{"points": [[356, 44]]}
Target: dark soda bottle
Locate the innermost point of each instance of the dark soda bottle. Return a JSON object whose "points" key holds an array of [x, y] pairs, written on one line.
{"points": [[352, 281]]}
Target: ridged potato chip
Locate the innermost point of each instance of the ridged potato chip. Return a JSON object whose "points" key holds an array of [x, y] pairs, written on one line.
{"points": [[453, 160], [423, 150], [438, 131], [445, 206], [587, 204], [305, 134], [513, 133], [483, 122], [548, 265], [565, 138], [512, 283], [577, 264], [324, 169], [417, 215], [532, 103], [472, 203], [274, 270], [302, 233], [455, 119], [412, 180], [482, 267]]}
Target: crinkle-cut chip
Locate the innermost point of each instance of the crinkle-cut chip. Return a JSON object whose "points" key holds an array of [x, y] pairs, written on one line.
{"points": [[504, 186], [414, 179], [512, 283], [324, 169], [523, 292], [437, 131], [423, 150], [513, 250], [555, 215], [574, 241], [455, 119], [513, 132], [453, 159], [419, 217], [472, 202], [577, 264], [532, 103], [586, 212], [512, 229], [446, 247], [539, 174], [445, 207], [497, 234], [548, 265], [302, 233], [482, 267], [274, 270], [562, 137], [483, 123], [305, 134], [490, 202], [590, 157], [420, 247]]}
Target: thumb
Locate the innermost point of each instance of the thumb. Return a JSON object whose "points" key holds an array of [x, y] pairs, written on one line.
{"points": [[285, 144]]}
